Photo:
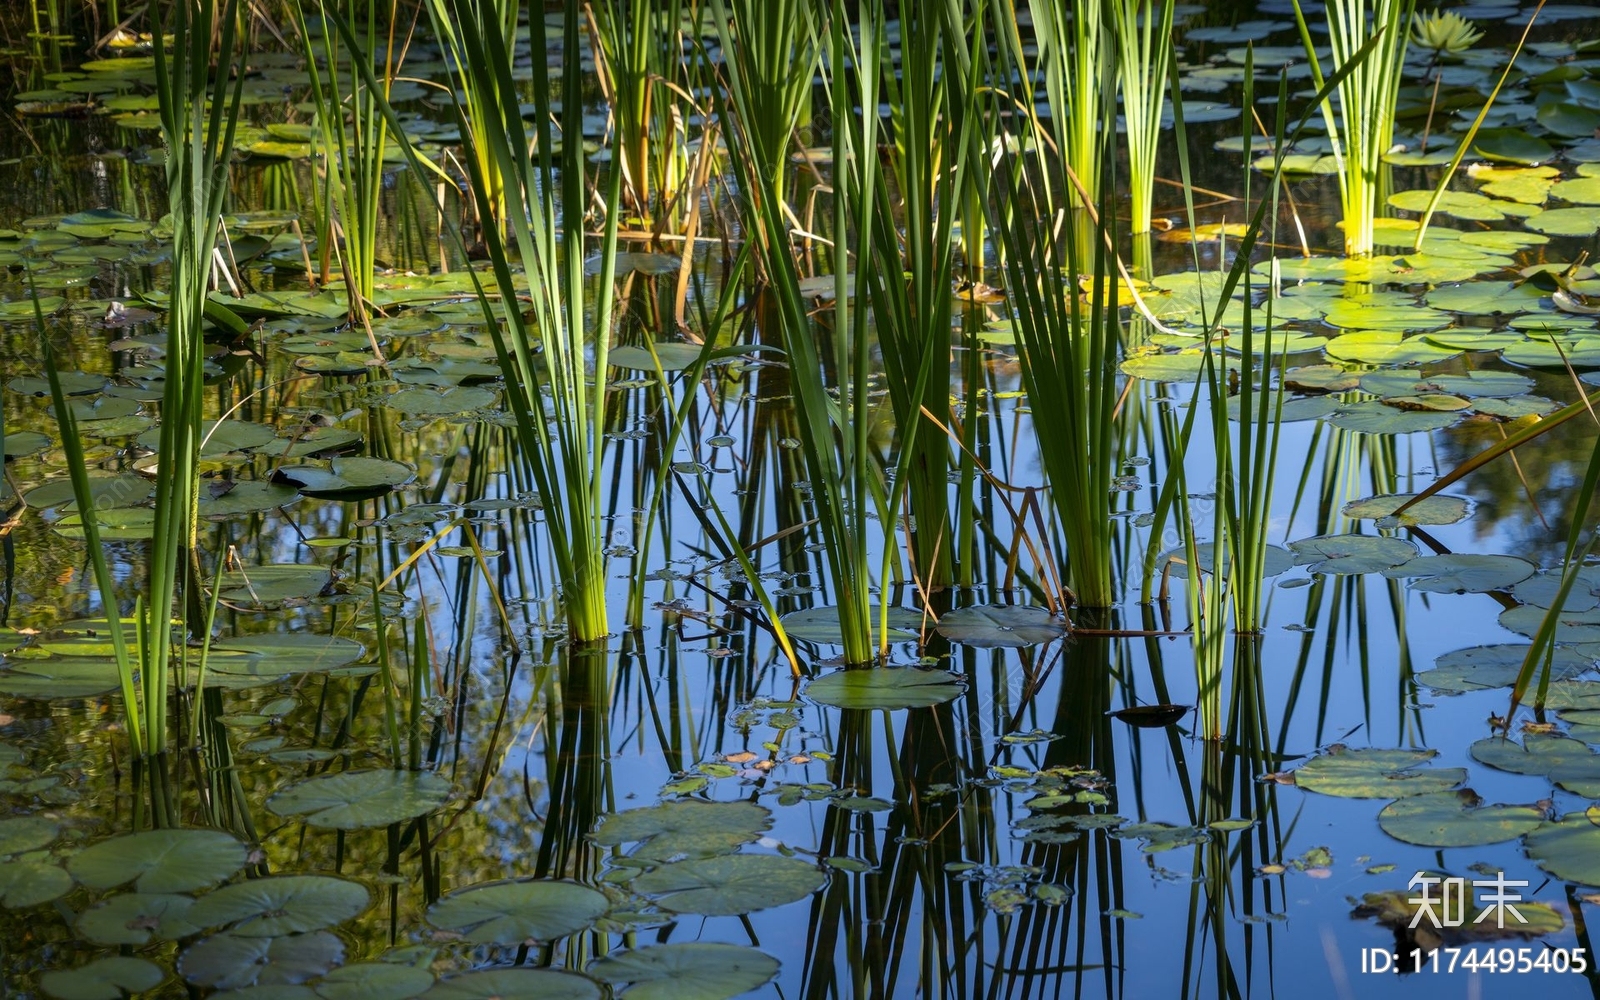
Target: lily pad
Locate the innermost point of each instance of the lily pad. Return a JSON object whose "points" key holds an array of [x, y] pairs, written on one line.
{"points": [[233, 961], [271, 586], [1438, 509], [516, 984], [1456, 819], [700, 970], [1387, 347], [685, 828], [110, 978], [1480, 668], [1566, 762], [822, 624], [673, 357], [135, 918], [161, 861], [518, 911], [1351, 553], [1374, 417], [26, 833], [374, 981], [360, 800], [284, 904], [1456, 573], [439, 402], [28, 882], [1375, 774], [885, 688], [1275, 561], [1569, 849], [353, 478], [730, 884], [1000, 625], [1571, 626], [1565, 222]]}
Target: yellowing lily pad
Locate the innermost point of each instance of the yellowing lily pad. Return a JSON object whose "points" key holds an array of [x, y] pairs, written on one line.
{"points": [[1375, 774], [1456, 819]]}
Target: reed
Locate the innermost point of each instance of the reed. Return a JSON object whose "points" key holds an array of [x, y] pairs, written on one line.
{"points": [[1362, 127], [640, 48], [1142, 30]]}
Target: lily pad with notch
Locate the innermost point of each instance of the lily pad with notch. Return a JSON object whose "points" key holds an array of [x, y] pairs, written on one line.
{"points": [[730, 884], [361, 800], [516, 984], [885, 688], [161, 861], [696, 970], [685, 828], [1566, 762], [265, 587], [281, 904], [1375, 773], [821, 625], [1462, 573], [1351, 553], [1481, 668], [135, 918], [519, 911], [352, 478], [1376, 417], [1456, 819], [1437, 509], [109, 978], [1000, 625], [230, 961], [1568, 849]]}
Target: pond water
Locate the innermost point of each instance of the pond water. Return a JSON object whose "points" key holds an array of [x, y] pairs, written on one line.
{"points": [[1007, 829]]}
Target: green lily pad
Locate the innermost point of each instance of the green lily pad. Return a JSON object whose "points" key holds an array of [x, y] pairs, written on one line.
{"points": [[374, 981], [161, 861], [1457, 573], [1158, 838], [1565, 222], [28, 882], [1276, 561], [283, 904], [1387, 347], [1577, 349], [1294, 408], [1542, 589], [1341, 554], [1184, 366], [1456, 819], [72, 383], [231, 498], [109, 978], [254, 660], [1375, 774], [316, 441], [1441, 508], [439, 402], [673, 357], [361, 800], [352, 478], [685, 828], [518, 911], [26, 833], [1512, 145], [885, 688], [1571, 626], [1384, 316], [1569, 849], [220, 437], [1459, 204], [730, 884], [1375, 417], [516, 984], [1516, 407], [20, 444], [1000, 625], [264, 587], [231, 961], [1566, 762], [822, 624], [1481, 668], [60, 677], [1320, 378], [1471, 385], [106, 492], [135, 918], [700, 970]]}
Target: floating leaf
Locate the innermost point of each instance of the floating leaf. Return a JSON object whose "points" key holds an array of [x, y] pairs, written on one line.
{"points": [[1456, 573], [516, 984], [1456, 819], [28, 882], [518, 911], [730, 884], [673, 357], [1351, 553], [1275, 561], [1571, 626], [1000, 625], [134, 918], [822, 624], [1566, 762], [353, 478], [272, 585], [439, 402], [360, 800], [283, 904], [386, 980], [1569, 849], [1375, 774], [232, 961], [160, 861], [686, 828], [1437, 509], [886, 688], [1382, 347], [110, 978], [26, 833], [1565, 222], [1512, 145], [692, 971], [1480, 668], [1374, 417]]}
